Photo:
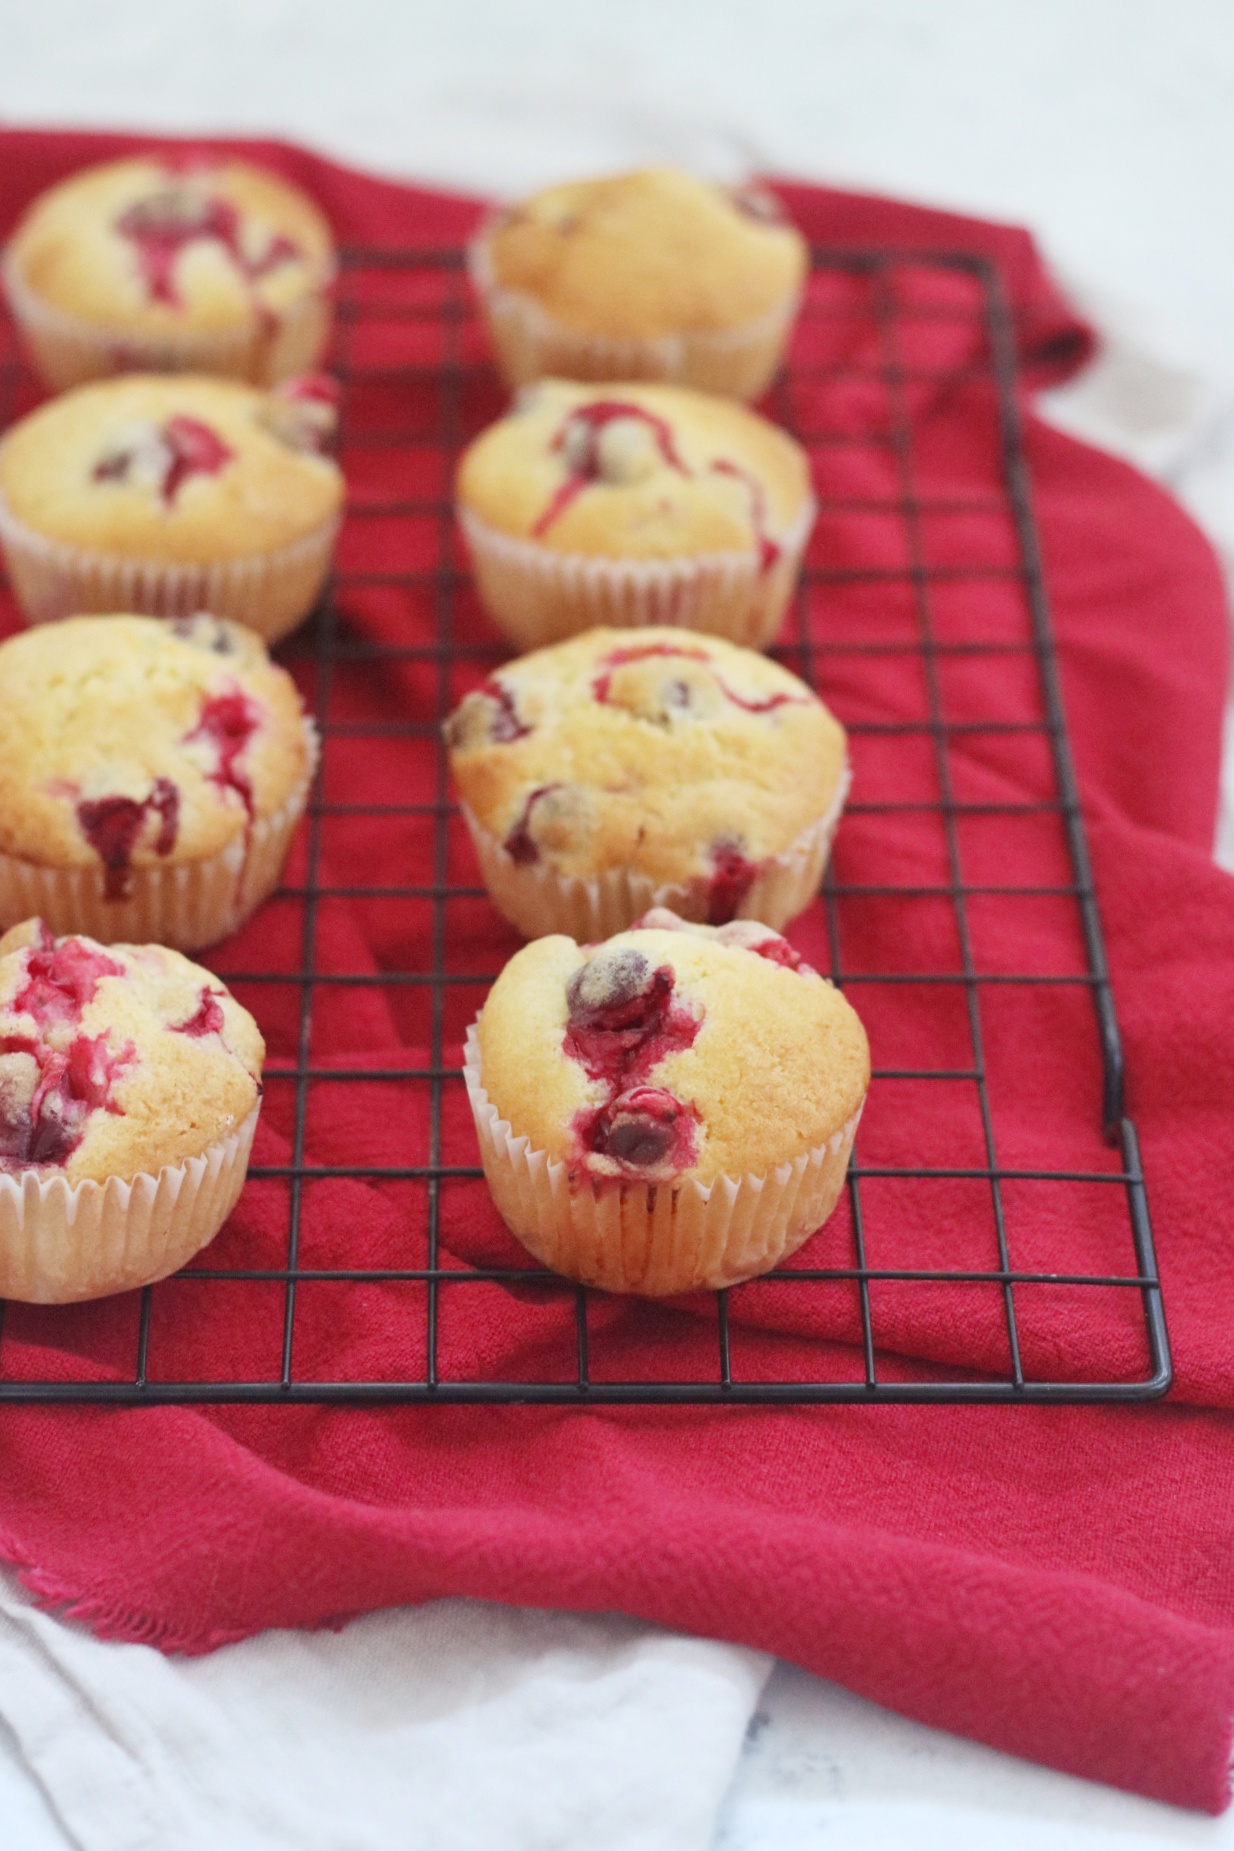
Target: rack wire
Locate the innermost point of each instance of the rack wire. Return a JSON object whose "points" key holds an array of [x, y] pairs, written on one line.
{"points": [[416, 386]]}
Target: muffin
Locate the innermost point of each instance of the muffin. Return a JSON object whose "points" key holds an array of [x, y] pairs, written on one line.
{"points": [[631, 505], [673, 1108], [151, 777], [130, 1082], [604, 776], [171, 496], [172, 262], [650, 275]]}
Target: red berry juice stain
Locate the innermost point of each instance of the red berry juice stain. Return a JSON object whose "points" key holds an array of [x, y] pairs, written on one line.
{"points": [[505, 726], [591, 420], [72, 1081], [777, 950], [768, 549], [61, 979], [112, 826], [163, 225], [520, 844], [188, 448], [195, 450], [623, 1020], [601, 687], [732, 877], [228, 722], [208, 1019]]}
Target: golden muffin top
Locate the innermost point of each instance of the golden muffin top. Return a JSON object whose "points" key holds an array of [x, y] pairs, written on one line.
{"points": [[637, 471], [174, 468], [134, 741], [169, 243], [116, 1060], [646, 254], [676, 755], [668, 1055]]}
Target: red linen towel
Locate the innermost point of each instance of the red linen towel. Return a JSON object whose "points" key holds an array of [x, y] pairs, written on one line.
{"points": [[1052, 1581]]}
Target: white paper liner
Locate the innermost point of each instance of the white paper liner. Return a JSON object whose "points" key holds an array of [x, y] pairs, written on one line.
{"points": [[531, 344], [656, 1241], [68, 351], [185, 904], [269, 592], [538, 596], [62, 1241], [538, 900]]}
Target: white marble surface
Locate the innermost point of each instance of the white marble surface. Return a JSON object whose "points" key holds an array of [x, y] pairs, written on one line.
{"points": [[1108, 125]]}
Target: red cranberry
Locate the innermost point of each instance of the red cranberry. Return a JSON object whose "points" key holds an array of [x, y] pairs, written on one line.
{"points": [[207, 1020], [732, 877], [61, 980], [72, 1083], [112, 826], [520, 844], [646, 1128]]}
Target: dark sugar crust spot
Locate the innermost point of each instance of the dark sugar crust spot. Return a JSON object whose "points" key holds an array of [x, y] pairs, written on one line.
{"points": [[623, 1021], [208, 1018], [165, 223], [733, 875], [112, 826], [583, 428]]}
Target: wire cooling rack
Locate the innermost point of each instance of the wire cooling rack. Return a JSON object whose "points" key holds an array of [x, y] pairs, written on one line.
{"points": [[416, 386]]}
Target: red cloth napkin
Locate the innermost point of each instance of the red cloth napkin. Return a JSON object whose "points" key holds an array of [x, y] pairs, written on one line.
{"points": [[1053, 1581]]}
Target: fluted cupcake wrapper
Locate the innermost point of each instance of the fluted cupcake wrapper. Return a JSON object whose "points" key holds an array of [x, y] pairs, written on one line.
{"points": [[62, 1241], [184, 904], [656, 1241], [269, 592], [536, 899], [531, 344], [68, 351], [538, 596]]}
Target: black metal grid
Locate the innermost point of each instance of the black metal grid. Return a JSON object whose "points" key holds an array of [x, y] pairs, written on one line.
{"points": [[429, 337]]}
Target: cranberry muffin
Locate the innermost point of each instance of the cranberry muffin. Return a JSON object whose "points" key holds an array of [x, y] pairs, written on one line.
{"points": [[673, 1108], [650, 275], [171, 496], [630, 505], [609, 774], [172, 262], [130, 1083], [151, 777]]}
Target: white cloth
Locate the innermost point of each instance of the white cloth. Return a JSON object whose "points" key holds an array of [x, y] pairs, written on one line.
{"points": [[452, 1727]]}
